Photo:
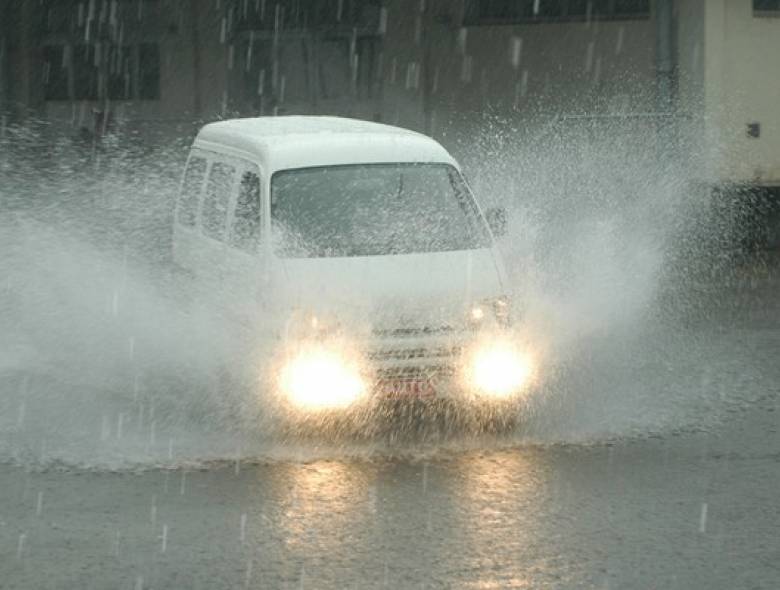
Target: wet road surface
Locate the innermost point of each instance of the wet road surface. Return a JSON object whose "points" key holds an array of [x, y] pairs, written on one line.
{"points": [[692, 510], [695, 507]]}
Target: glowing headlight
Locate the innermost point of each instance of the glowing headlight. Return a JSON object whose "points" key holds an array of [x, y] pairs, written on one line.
{"points": [[316, 378], [477, 313], [497, 369], [499, 308]]}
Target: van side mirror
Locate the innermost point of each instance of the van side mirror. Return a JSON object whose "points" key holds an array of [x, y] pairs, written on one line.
{"points": [[496, 219]]}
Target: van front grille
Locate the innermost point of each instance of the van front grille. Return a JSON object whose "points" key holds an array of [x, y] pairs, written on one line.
{"points": [[438, 352], [413, 332]]}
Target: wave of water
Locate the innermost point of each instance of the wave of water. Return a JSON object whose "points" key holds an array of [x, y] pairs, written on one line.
{"points": [[104, 364]]}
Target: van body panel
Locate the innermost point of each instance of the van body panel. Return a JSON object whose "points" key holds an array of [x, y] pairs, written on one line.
{"points": [[411, 301], [282, 143], [415, 290]]}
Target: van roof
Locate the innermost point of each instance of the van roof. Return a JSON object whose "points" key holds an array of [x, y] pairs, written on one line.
{"points": [[303, 141]]}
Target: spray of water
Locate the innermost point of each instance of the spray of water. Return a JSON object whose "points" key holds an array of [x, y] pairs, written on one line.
{"points": [[108, 359]]}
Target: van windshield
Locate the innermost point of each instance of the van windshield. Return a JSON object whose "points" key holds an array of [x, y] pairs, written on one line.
{"points": [[373, 209]]}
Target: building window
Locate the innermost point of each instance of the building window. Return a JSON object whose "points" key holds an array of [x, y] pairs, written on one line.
{"points": [[85, 72], [101, 49], [500, 12], [306, 69], [101, 70], [295, 14], [766, 7], [55, 72], [120, 73], [148, 71]]}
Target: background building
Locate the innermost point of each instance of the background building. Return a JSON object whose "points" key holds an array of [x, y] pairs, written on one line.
{"points": [[691, 80]]}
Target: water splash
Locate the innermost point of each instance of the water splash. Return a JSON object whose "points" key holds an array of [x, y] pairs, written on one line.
{"points": [[102, 364]]}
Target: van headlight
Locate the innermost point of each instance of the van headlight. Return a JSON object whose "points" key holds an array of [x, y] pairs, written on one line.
{"points": [[315, 378], [490, 312], [496, 368]]}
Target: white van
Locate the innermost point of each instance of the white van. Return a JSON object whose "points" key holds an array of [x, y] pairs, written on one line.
{"points": [[373, 264]]}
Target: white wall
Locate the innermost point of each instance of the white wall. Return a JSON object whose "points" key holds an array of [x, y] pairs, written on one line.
{"points": [[742, 85]]}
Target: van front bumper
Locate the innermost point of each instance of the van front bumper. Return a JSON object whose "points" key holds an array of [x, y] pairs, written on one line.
{"points": [[331, 375]]}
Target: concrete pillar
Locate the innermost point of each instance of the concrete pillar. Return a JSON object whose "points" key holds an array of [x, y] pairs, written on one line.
{"points": [[664, 55]]}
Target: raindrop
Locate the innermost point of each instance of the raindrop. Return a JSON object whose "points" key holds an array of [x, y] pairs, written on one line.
{"points": [[139, 583], [242, 530], [231, 56], [164, 538], [619, 42], [354, 64], [417, 30], [39, 504], [248, 575], [261, 82], [466, 69], [170, 448], [382, 28], [119, 423], [21, 414], [131, 347], [425, 478], [248, 64], [463, 34], [153, 511], [105, 429], [589, 56], [703, 518], [183, 485], [20, 545], [536, 7], [517, 51], [412, 75]]}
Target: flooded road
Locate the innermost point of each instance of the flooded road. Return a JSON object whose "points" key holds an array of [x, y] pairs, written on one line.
{"points": [[694, 510], [678, 508], [653, 461]]}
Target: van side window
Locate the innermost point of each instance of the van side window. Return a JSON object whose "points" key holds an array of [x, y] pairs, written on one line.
{"points": [[215, 205], [190, 190], [246, 221]]}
